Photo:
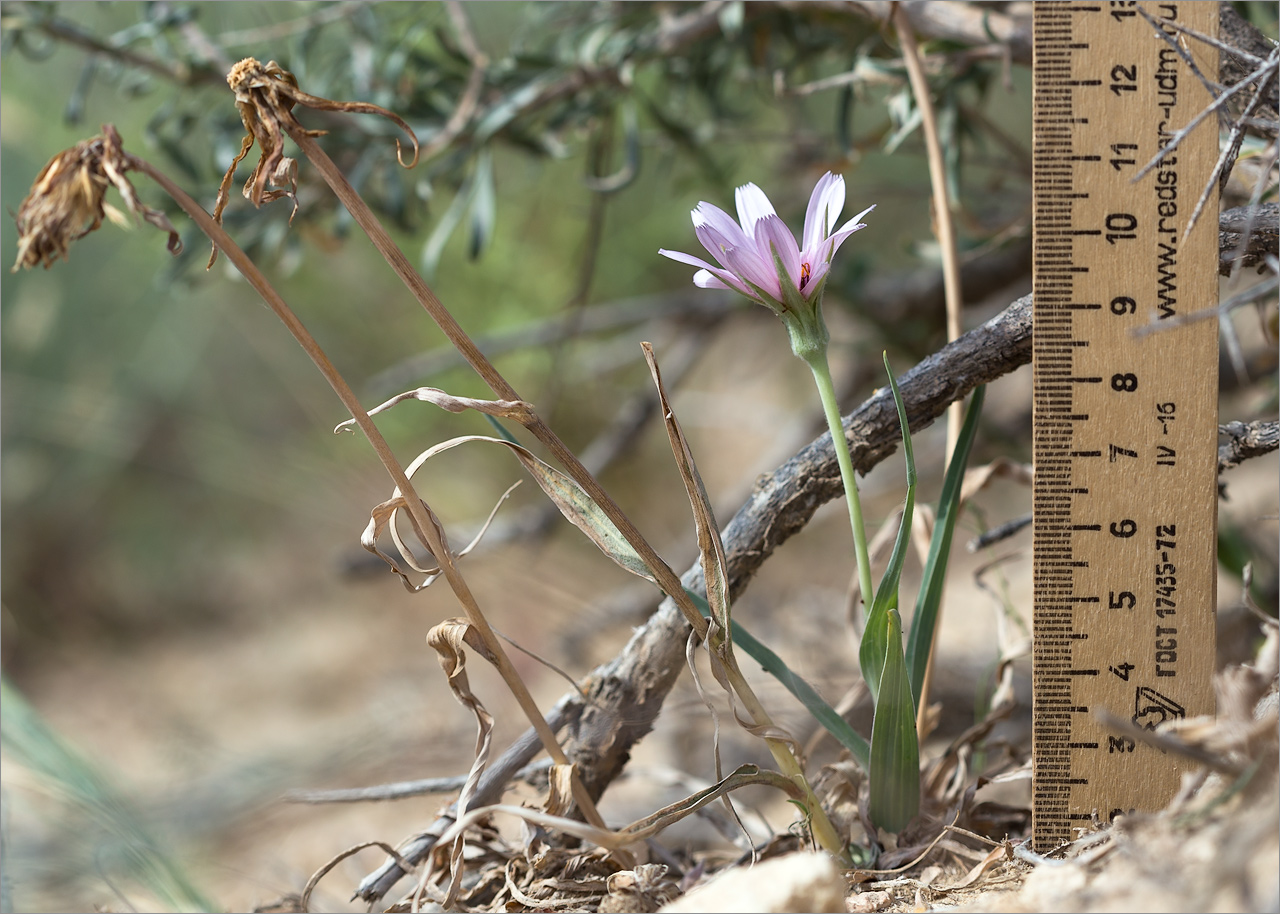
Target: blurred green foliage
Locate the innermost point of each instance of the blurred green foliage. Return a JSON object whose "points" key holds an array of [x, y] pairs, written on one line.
{"points": [[156, 421]]}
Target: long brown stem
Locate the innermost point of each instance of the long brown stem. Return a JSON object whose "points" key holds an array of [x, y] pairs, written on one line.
{"points": [[943, 224], [945, 230], [423, 522]]}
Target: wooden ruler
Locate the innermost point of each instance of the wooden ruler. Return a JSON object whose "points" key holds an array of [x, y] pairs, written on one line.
{"points": [[1125, 421]]}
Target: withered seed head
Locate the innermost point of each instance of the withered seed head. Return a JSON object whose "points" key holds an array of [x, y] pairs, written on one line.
{"points": [[265, 96], [68, 200]]}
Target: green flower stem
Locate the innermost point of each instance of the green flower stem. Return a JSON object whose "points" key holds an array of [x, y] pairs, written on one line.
{"points": [[817, 359]]}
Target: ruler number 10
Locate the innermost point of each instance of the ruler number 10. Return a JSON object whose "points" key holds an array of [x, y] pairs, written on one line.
{"points": [[1121, 227]]}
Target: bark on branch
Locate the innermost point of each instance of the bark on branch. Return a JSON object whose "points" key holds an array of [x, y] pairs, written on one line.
{"points": [[1245, 440]]}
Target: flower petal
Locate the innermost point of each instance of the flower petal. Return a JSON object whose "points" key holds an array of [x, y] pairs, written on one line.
{"points": [[740, 259], [705, 279], [853, 225], [707, 214], [753, 205], [709, 277], [685, 258], [772, 235], [825, 205], [838, 238]]}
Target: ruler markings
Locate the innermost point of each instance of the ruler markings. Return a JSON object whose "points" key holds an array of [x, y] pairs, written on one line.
{"points": [[1150, 405]]}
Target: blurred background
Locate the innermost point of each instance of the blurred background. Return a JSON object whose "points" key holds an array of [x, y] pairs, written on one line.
{"points": [[189, 626]]}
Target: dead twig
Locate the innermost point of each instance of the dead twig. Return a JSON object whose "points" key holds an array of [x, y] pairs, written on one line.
{"points": [[403, 790]]}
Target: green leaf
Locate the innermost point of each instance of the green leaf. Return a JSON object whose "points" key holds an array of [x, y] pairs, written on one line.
{"points": [[123, 840], [448, 224], [925, 619], [874, 649], [822, 712], [894, 776], [483, 206]]}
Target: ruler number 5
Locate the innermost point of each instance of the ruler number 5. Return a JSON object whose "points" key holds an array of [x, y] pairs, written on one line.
{"points": [[1122, 600]]}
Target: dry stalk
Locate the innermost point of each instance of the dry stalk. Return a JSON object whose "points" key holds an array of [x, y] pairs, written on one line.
{"points": [[944, 228], [399, 263], [265, 97]]}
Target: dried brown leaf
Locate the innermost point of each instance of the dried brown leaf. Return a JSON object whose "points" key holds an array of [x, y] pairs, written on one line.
{"points": [[575, 504], [516, 410], [383, 517], [996, 855], [640, 830], [710, 545], [449, 640]]}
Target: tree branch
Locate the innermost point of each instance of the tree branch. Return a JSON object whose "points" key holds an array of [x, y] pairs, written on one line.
{"points": [[625, 695], [1245, 440], [1262, 225]]}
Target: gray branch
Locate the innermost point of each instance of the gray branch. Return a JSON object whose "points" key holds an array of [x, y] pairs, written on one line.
{"points": [[1245, 440], [1258, 226]]}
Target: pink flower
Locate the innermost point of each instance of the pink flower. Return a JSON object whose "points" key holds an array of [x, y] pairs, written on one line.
{"points": [[759, 256]]}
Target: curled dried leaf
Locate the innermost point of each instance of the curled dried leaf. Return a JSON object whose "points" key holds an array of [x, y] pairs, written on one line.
{"points": [[68, 200], [449, 640], [574, 503], [516, 410], [265, 97], [383, 518]]}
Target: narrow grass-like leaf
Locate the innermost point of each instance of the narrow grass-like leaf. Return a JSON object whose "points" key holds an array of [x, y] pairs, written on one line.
{"points": [[126, 843], [873, 650], [484, 215], [923, 622], [895, 754], [448, 224], [814, 703], [501, 430]]}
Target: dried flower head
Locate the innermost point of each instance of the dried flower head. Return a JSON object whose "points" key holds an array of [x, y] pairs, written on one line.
{"points": [[68, 200], [265, 96]]}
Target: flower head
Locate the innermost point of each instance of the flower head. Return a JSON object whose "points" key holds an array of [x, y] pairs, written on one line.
{"points": [[758, 255], [68, 200], [265, 97]]}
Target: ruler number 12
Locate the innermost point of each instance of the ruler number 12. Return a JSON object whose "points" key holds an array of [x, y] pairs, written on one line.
{"points": [[1118, 10]]}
